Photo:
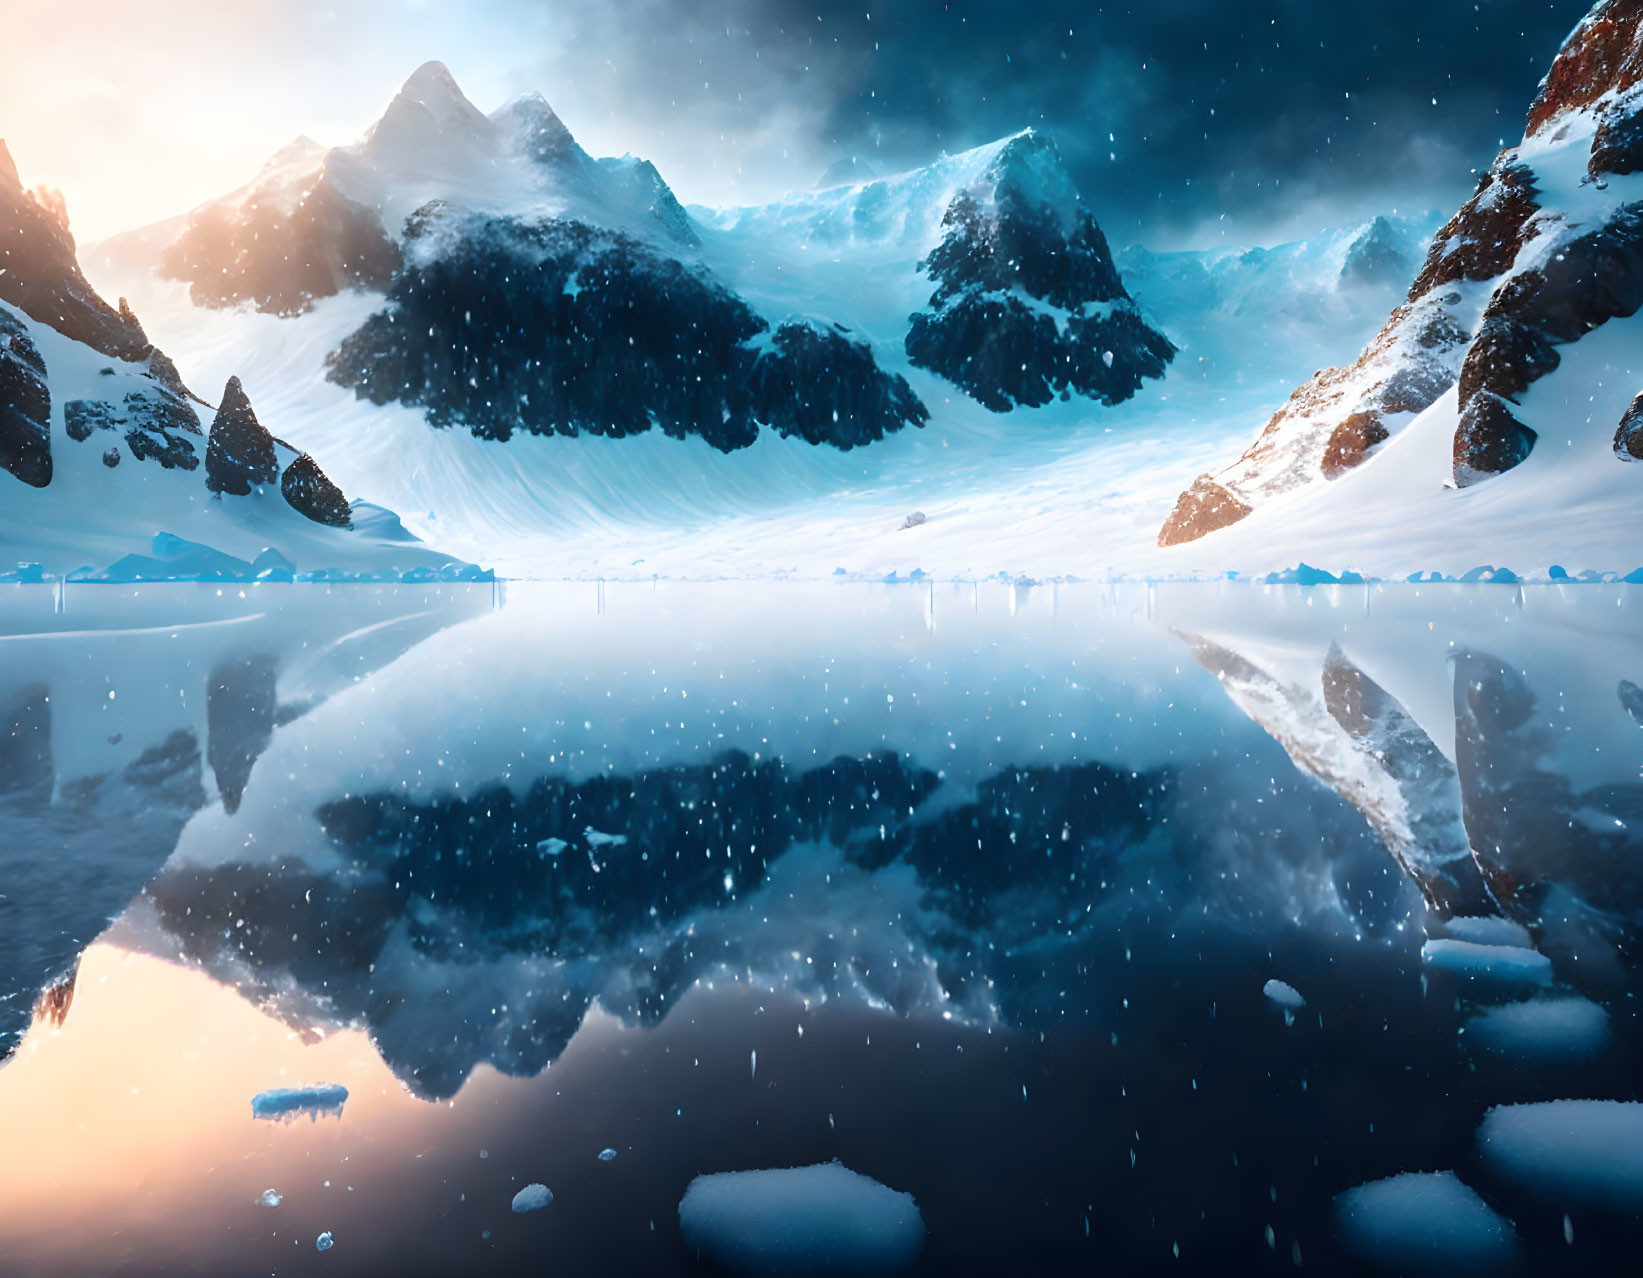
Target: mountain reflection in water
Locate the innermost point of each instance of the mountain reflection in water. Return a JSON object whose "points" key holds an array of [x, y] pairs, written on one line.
{"points": [[974, 887]]}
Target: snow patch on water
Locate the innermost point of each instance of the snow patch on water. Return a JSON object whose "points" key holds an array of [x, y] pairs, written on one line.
{"points": [[824, 1219]]}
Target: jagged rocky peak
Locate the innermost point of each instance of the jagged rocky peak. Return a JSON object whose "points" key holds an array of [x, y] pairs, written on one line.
{"points": [[530, 127], [1377, 256], [1506, 282], [40, 272], [429, 114], [1028, 304], [1602, 56], [240, 453]]}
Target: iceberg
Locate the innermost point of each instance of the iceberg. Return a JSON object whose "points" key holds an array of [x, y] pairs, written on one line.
{"points": [[824, 1219], [1425, 1223], [287, 1104], [1590, 1151], [533, 1197], [1544, 1030], [1495, 964]]}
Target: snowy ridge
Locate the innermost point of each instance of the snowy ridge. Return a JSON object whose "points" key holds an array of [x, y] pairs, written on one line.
{"points": [[1522, 311]]}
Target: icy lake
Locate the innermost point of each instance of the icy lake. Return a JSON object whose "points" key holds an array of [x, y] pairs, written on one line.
{"points": [[1210, 929]]}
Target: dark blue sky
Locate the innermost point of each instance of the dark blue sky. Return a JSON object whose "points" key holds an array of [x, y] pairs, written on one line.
{"points": [[1172, 113]]}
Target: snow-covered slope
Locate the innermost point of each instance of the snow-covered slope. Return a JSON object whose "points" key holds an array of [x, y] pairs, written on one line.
{"points": [[103, 447], [1065, 487], [1486, 420]]}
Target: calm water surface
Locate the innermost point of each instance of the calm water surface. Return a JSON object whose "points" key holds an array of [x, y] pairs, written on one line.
{"points": [[974, 888]]}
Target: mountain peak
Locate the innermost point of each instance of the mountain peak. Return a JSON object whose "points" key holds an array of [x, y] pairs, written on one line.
{"points": [[534, 129], [433, 85], [1603, 55], [429, 111]]}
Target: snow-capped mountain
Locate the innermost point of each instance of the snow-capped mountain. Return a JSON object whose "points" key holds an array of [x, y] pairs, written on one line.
{"points": [[484, 274], [102, 442], [1507, 356]]}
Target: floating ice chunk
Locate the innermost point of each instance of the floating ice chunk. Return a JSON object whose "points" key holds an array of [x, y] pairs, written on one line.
{"points": [[1488, 930], [1285, 996], [824, 1219], [1499, 964], [551, 847], [271, 1198], [598, 839], [605, 1155], [1425, 1223], [1587, 1150], [1542, 1029], [287, 1104], [532, 1198], [324, 1242]]}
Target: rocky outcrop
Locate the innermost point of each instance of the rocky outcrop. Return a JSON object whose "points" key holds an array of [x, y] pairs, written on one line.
{"points": [[25, 406], [1603, 55], [1628, 436], [40, 273], [1028, 305], [1202, 509], [152, 417], [1336, 420], [557, 327], [308, 490], [240, 454]]}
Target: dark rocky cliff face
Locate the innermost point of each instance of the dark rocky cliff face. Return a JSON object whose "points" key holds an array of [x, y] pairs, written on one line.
{"points": [[41, 275], [1028, 305], [25, 406], [557, 327]]}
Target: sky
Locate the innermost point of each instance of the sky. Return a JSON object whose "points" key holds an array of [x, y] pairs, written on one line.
{"points": [[1185, 122]]}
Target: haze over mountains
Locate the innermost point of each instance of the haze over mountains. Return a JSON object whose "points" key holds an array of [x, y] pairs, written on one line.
{"points": [[550, 364]]}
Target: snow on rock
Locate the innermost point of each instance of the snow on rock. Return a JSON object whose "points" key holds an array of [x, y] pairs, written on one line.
{"points": [[1501, 964], [1028, 304], [1486, 929], [287, 1104], [1541, 1029], [1341, 726], [1425, 1223], [1588, 1151], [824, 1219], [77, 505], [533, 1197], [1545, 257]]}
